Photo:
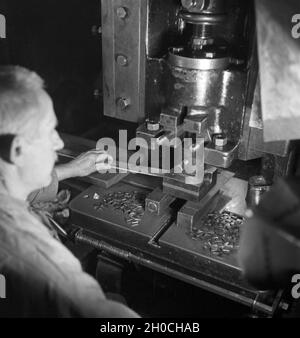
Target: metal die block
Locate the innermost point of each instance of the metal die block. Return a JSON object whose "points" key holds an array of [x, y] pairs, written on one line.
{"points": [[148, 135], [175, 185], [171, 119], [157, 202], [221, 157], [196, 124]]}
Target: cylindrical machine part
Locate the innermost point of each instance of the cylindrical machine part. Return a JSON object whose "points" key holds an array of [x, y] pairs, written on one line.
{"points": [[198, 19], [213, 60], [203, 31]]}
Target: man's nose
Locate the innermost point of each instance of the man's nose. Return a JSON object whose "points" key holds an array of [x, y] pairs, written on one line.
{"points": [[58, 142]]}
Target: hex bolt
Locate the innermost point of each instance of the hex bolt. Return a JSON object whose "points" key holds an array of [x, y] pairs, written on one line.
{"points": [[220, 140], [123, 103], [122, 12], [152, 125], [122, 60]]}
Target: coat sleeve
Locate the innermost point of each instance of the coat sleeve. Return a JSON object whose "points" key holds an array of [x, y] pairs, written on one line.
{"points": [[84, 298], [45, 194]]}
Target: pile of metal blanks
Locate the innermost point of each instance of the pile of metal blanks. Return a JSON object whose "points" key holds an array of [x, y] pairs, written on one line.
{"points": [[219, 233]]}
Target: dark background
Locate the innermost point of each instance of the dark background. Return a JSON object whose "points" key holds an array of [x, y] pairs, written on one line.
{"points": [[55, 39]]}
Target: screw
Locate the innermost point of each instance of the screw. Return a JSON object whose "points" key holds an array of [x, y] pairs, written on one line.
{"points": [[220, 140], [122, 60], [123, 103], [122, 12]]}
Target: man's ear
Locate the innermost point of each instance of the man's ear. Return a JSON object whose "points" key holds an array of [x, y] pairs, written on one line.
{"points": [[6, 141], [17, 150]]}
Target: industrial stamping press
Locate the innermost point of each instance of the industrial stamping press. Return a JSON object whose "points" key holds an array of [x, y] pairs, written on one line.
{"points": [[184, 69]]}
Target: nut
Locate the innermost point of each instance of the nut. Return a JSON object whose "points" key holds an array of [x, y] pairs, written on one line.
{"points": [[220, 140], [122, 12], [153, 126]]}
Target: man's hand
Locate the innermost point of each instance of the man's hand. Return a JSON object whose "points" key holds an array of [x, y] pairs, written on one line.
{"points": [[84, 165]]}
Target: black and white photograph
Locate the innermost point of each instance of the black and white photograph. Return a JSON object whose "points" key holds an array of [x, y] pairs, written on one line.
{"points": [[150, 162]]}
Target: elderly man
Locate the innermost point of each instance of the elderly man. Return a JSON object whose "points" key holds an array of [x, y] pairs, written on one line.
{"points": [[43, 278]]}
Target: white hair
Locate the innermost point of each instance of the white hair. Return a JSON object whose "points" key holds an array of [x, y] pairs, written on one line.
{"points": [[20, 100]]}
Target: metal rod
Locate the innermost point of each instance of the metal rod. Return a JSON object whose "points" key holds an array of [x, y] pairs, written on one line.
{"points": [[83, 237]]}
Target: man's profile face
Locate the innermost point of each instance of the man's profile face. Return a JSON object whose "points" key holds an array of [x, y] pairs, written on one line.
{"points": [[40, 152]]}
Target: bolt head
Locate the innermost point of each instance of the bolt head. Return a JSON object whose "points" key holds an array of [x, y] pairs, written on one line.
{"points": [[122, 60], [153, 126], [152, 207], [122, 12], [220, 140], [123, 103]]}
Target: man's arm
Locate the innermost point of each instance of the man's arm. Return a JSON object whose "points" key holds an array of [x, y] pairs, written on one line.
{"points": [[83, 165], [45, 194]]}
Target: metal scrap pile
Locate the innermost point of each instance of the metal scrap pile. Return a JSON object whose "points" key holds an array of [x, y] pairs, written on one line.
{"points": [[219, 232], [132, 204]]}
